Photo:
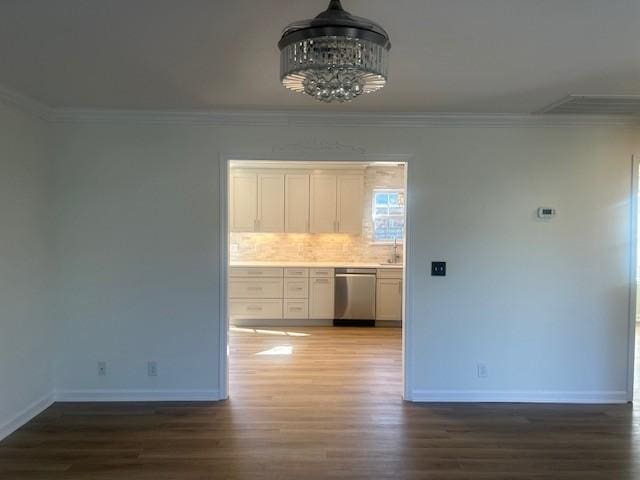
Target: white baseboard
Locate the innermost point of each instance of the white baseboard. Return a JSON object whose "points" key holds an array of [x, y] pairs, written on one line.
{"points": [[518, 396], [30, 411], [104, 395]]}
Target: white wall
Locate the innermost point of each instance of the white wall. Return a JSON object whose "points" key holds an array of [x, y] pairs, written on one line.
{"points": [[26, 324], [543, 304]]}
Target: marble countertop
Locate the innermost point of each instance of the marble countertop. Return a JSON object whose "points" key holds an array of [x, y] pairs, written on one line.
{"points": [[303, 264]]}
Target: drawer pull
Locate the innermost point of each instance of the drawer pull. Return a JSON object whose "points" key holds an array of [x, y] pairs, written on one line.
{"points": [[296, 288], [254, 308], [295, 309], [322, 280], [254, 288]]}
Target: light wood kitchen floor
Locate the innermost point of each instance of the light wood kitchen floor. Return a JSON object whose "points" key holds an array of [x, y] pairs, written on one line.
{"points": [[316, 403]]}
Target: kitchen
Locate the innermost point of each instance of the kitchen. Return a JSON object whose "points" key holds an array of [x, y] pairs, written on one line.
{"points": [[316, 244]]}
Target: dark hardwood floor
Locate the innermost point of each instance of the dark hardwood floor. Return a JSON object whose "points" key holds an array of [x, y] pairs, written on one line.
{"points": [[319, 403]]}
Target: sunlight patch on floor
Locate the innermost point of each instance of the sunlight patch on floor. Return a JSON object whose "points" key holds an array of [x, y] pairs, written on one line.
{"points": [[268, 332], [279, 350]]}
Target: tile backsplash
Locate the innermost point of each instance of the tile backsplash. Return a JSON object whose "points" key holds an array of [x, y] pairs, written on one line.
{"points": [[323, 247], [312, 247]]}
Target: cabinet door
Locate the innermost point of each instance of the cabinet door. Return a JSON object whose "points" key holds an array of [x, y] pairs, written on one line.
{"points": [[243, 202], [389, 299], [296, 206], [323, 204], [270, 203], [350, 208], [321, 298]]}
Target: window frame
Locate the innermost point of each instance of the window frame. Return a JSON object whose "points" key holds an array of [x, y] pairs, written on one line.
{"points": [[375, 191]]}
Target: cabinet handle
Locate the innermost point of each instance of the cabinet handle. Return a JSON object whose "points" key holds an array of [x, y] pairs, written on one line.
{"points": [[400, 287], [322, 280], [254, 288], [254, 308]]}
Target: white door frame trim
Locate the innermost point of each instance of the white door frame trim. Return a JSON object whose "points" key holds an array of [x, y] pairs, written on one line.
{"points": [[633, 259], [347, 156]]}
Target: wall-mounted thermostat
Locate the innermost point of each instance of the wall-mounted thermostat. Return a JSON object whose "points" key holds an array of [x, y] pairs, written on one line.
{"points": [[546, 212]]}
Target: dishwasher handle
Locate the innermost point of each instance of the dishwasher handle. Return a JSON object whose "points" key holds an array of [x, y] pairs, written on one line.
{"points": [[355, 271], [338, 275]]}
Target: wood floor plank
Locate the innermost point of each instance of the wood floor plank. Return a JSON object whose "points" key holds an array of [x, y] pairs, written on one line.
{"points": [[323, 403]]}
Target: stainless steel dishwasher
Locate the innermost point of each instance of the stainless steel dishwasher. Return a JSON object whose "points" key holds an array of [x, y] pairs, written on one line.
{"points": [[355, 296]]}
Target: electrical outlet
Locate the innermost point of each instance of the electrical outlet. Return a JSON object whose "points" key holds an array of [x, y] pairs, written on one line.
{"points": [[102, 369], [482, 371], [152, 369]]}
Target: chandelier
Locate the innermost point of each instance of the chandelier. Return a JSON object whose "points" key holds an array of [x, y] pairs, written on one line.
{"points": [[334, 57]]}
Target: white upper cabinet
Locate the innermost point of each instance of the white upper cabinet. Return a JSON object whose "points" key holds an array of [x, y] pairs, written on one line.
{"points": [[323, 204], [349, 199], [270, 203], [297, 202], [256, 202], [243, 202], [296, 207]]}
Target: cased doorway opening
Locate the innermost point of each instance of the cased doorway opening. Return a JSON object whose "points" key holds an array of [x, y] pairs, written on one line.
{"points": [[315, 283]]}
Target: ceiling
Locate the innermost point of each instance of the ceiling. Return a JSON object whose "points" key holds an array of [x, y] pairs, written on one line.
{"points": [[471, 56]]}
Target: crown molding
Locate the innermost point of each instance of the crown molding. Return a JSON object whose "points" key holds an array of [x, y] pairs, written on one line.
{"points": [[344, 119], [306, 118], [18, 100]]}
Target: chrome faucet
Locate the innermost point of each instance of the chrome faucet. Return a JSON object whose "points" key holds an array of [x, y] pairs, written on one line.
{"points": [[396, 256]]}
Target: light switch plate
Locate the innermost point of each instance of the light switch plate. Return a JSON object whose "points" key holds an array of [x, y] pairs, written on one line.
{"points": [[438, 269]]}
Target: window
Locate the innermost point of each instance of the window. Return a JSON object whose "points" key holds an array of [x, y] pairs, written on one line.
{"points": [[388, 215]]}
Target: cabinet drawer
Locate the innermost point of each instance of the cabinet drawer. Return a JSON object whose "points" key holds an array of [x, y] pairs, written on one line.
{"points": [[255, 272], [296, 288], [389, 273], [296, 272], [255, 288], [321, 272], [249, 309], [296, 309]]}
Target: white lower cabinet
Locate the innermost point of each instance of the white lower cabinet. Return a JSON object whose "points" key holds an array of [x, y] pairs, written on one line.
{"points": [[296, 308], [255, 293], [296, 288], [296, 293], [296, 272], [322, 272], [249, 309], [321, 298], [255, 288], [389, 299]]}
